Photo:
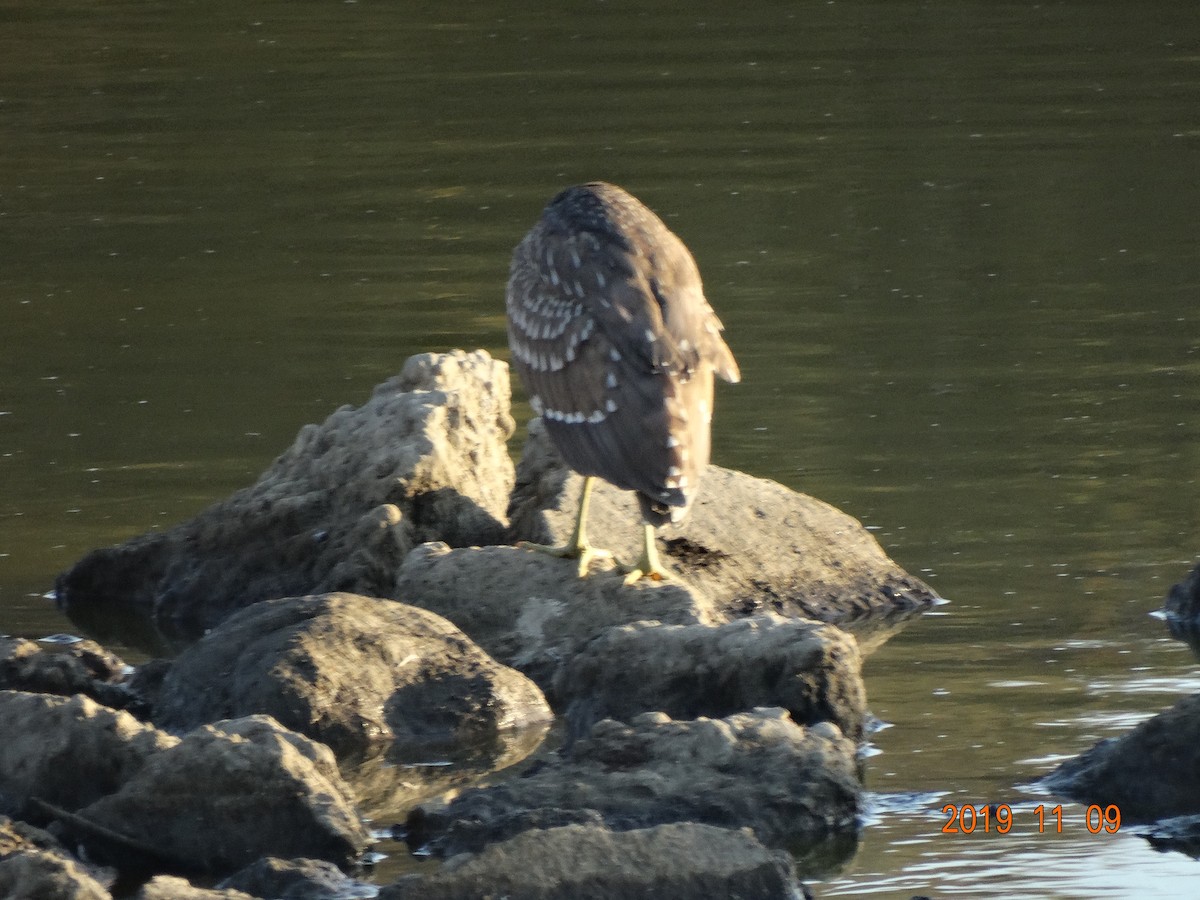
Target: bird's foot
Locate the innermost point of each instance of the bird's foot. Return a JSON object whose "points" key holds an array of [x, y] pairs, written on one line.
{"points": [[647, 565], [641, 569], [585, 553]]}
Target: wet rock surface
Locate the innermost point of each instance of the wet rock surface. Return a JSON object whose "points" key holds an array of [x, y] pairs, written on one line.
{"points": [[810, 669], [1152, 772], [755, 769], [681, 861], [297, 879], [423, 459], [353, 672]]}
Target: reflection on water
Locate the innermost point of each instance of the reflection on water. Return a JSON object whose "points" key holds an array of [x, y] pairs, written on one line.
{"points": [[953, 244]]}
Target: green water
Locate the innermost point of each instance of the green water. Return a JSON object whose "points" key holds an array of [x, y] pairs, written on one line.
{"points": [[953, 243]]}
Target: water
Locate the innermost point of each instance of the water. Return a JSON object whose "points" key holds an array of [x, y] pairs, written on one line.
{"points": [[953, 243]]}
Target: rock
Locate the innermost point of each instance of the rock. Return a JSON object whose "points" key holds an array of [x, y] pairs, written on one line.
{"points": [[171, 887], [225, 795], [298, 879], [528, 609], [1180, 833], [1152, 772], [423, 459], [352, 672], [680, 861], [687, 671], [81, 667], [47, 876], [1183, 602], [752, 543], [34, 864], [68, 752], [757, 769]]}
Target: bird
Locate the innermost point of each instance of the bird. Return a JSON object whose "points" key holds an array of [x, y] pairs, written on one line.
{"points": [[617, 347]]}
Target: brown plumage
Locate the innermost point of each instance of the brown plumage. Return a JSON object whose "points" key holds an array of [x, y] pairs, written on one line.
{"points": [[615, 343]]}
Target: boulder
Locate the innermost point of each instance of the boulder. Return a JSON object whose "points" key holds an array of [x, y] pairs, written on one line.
{"points": [[528, 609], [297, 879], [1152, 772], [810, 669], [352, 672], [1180, 834], [225, 795], [68, 752], [756, 769], [682, 861], [751, 544], [424, 459], [171, 887], [74, 667], [47, 876]]}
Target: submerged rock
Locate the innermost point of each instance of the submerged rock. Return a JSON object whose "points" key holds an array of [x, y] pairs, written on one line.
{"points": [[811, 670], [423, 459], [751, 544], [1152, 772], [352, 672], [224, 796], [679, 861], [68, 752], [756, 769]]}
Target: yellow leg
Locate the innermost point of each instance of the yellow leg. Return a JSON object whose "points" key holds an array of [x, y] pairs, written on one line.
{"points": [[577, 546], [647, 565]]}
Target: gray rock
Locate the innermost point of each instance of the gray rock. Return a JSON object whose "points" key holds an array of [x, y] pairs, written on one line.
{"points": [[47, 876], [81, 667], [679, 861], [753, 544], [68, 752], [423, 459], [810, 669], [171, 887], [298, 879], [226, 795], [352, 672], [528, 610], [757, 769], [1152, 772]]}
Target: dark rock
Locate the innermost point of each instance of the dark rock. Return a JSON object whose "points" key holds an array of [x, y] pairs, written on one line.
{"points": [[528, 610], [811, 670], [1180, 834], [297, 879], [752, 543], [81, 667], [1183, 602], [423, 459], [1152, 772], [68, 752], [756, 769], [352, 672], [47, 876], [226, 795], [679, 861]]}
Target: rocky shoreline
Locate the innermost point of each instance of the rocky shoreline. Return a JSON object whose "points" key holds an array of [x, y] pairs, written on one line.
{"points": [[361, 638]]}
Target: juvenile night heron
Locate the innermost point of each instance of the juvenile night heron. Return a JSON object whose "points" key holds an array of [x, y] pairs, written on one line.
{"points": [[617, 348]]}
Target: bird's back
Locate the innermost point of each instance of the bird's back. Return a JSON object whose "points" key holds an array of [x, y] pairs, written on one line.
{"points": [[616, 344]]}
